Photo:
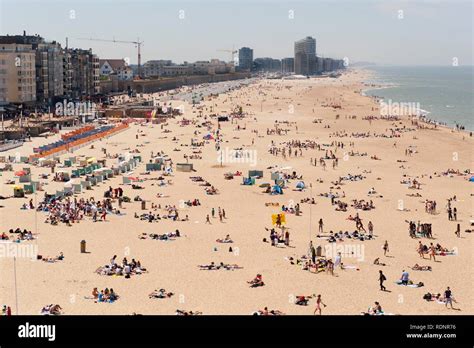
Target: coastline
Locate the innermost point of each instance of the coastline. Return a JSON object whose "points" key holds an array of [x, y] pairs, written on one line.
{"points": [[373, 86]]}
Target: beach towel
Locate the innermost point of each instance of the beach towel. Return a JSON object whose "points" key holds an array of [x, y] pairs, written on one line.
{"points": [[446, 253], [419, 285], [351, 267]]}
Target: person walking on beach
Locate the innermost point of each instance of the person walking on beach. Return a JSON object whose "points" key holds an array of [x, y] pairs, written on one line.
{"points": [[448, 298], [338, 260], [455, 214], [458, 231], [330, 267], [382, 278], [208, 220], [385, 248], [420, 249], [319, 302], [370, 226], [312, 252], [432, 252], [450, 214], [321, 224], [213, 212], [287, 238]]}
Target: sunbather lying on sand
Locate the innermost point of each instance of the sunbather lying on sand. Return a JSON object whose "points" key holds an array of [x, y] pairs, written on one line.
{"points": [[265, 311], [160, 294], [213, 267], [227, 239], [303, 300], [183, 312], [377, 262], [166, 236], [60, 257], [374, 310], [51, 310], [256, 282], [417, 267]]}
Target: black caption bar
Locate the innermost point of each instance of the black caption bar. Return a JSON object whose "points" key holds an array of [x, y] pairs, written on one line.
{"points": [[219, 330]]}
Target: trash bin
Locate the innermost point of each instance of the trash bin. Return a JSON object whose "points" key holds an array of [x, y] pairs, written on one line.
{"points": [[143, 205], [83, 246], [18, 192]]}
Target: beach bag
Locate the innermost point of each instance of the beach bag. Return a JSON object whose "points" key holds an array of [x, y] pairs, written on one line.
{"points": [[230, 249]]}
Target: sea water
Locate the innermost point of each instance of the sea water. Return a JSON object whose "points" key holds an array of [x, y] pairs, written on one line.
{"points": [[444, 93]]}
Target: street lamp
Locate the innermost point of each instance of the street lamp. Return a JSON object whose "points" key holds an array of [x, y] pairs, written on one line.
{"points": [[310, 209], [16, 288]]}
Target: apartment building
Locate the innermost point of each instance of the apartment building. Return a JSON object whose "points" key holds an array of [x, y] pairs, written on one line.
{"points": [[17, 74]]}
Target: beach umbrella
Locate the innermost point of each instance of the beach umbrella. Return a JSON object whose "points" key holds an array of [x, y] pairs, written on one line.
{"points": [[300, 185]]}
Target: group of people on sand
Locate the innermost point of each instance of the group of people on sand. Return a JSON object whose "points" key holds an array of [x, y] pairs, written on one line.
{"points": [[362, 204], [277, 238], [302, 300], [114, 193], [29, 205], [314, 264], [6, 310], [105, 295], [69, 211], [17, 235], [340, 236], [170, 213], [417, 230], [221, 266], [220, 214], [430, 207], [447, 298], [164, 236], [126, 269], [209, 189], [432, 250]]}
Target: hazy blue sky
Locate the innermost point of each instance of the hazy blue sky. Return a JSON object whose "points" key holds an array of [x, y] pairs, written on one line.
{"points": [[430, 32]]}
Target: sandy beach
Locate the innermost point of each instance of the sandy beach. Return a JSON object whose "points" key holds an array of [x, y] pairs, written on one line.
{"points": [[382, 156]]}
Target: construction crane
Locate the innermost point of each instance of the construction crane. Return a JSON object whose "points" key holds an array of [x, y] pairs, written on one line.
{"points": [[232, 52], [137, 44]]}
